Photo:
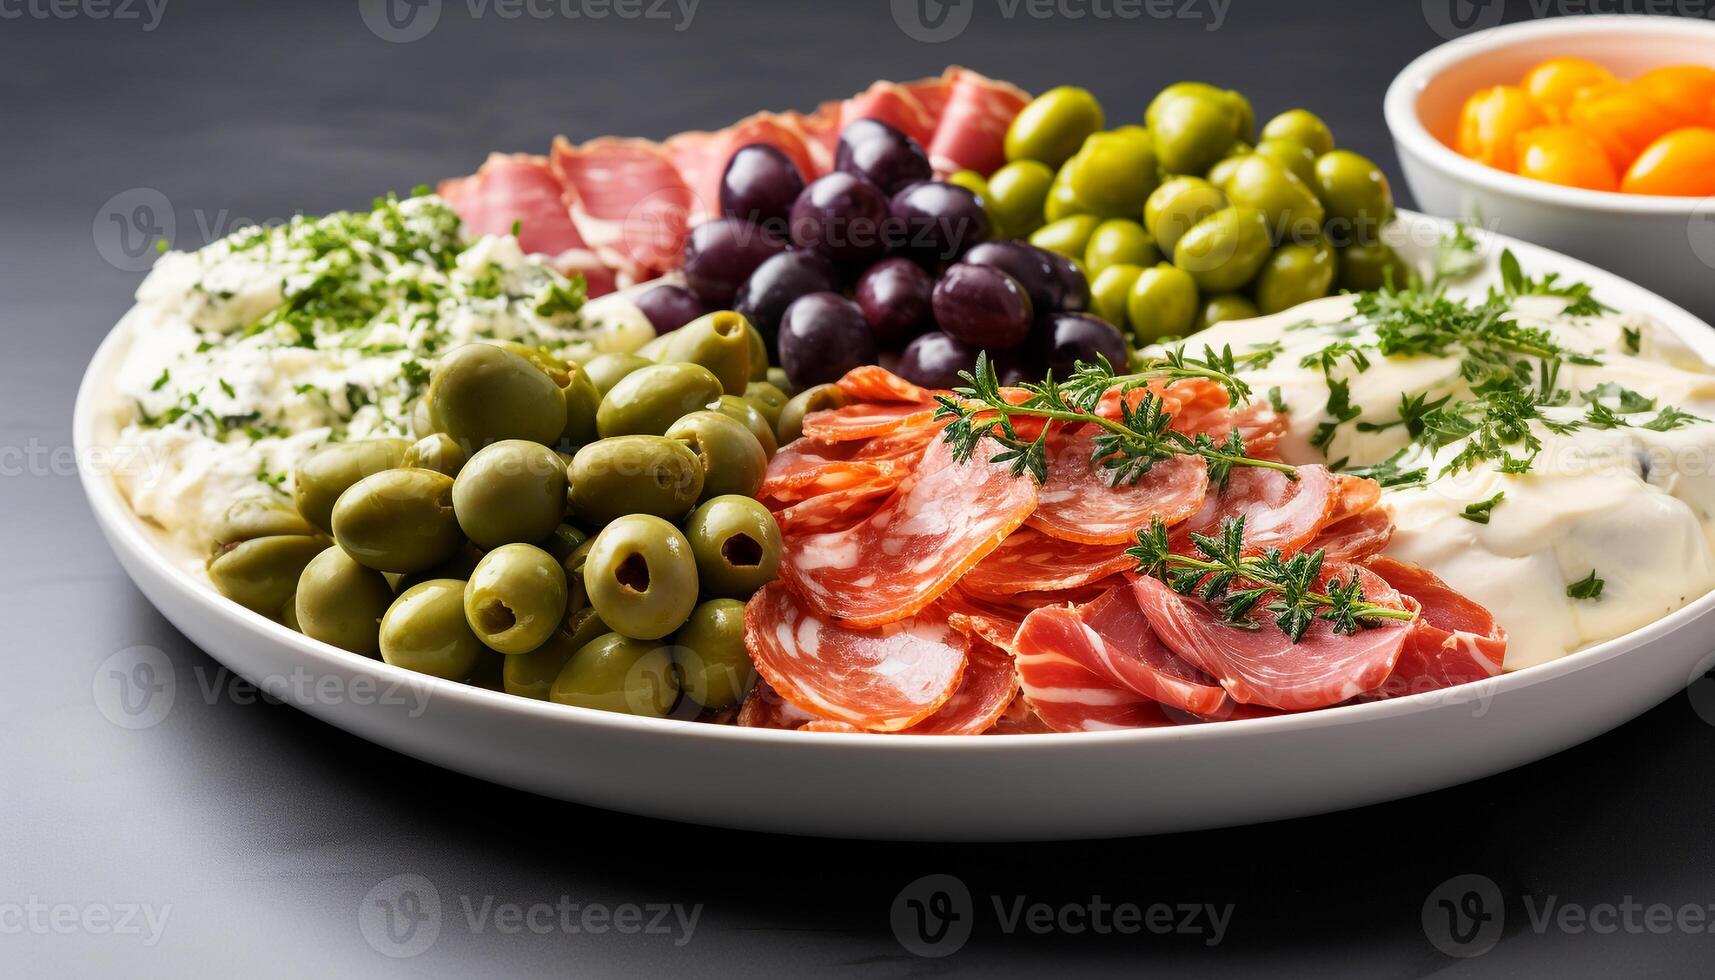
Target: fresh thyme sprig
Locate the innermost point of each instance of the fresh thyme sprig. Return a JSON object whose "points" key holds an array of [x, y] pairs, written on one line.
{"points": [[1236, 583], [1127, 447]]}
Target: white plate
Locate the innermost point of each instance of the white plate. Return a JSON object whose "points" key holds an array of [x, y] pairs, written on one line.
{"points": [[939, 787]]}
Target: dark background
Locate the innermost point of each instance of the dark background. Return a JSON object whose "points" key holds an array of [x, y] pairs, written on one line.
{"points": [[263, 829]]}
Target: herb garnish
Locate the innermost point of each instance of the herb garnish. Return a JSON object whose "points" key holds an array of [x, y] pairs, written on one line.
{"points": [[1479, 512], [1588, 587]]}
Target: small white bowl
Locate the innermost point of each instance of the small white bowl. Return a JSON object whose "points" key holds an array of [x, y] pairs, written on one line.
{"points": [[1666, 244]]}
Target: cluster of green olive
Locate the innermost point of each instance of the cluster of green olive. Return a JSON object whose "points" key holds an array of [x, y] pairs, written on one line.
{"points": [[1191, 219], [585, 534]]}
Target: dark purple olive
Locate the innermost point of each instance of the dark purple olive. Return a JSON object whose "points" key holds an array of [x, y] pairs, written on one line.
{"points": [[882, 155], [842, 216], [1018, 366], [759, 185], [1024, 262], [670, 307], [1072, 337], [982, 306], [822, 336], [934, 360], [778, 281], [939, 220], [1074, 288], [721, 254], [894, 296]]}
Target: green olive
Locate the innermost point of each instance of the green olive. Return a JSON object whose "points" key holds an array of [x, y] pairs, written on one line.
{"points": [[1238, 107], [565, 540], [732, 460], [1067, 236], [718, 341], [971, 181], [641, 576], [634, 475], [1289, 207], [1178, 204], [439, 452], [482, 393], [1225, 306], [1296, 273], [1017, 193], [1356, 194], [767, 399], [399, 520], [1053, 126], [1292, 155], [711, 655], [510, 492], [616, 673], [1119, 241], [817, 399], [1303, 127], [737, 408], [736, 545], [1163, 303], [648, 400], [516, 598], [655, 350], [1111, 175], [1110, 293], [1062, 202], [1191, 132], [577, 596], [425, 630], [341, 603], [1223, 171], [1369, 266], [531, 675], [459, 566], [289, 615], [758, 353], [325, 474], [262, 573], [582, 402], [1224, 251], [777, 377], [605, 370], [258, 517]]}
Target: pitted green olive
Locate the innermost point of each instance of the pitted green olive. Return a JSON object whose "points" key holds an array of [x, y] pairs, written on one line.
{"points": [[510, 492], [259, 517], [516, 598], [531, 675], [605, 370], [565, 540], [582, 403], [616, 673], [736, 544], [768, 400], [737, 408], [732, 460], [482, 393], [261, 574], [710, 651], [641, 576], [719, 341], [328, 472], [437, 451], [634, 475], [817, 399]]}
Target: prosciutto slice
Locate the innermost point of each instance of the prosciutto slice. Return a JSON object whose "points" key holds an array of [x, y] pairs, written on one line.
{"points": [[971, 134], [1355, 538], [521, 190], [1079, 502], [1118, 643], [628, 201], [1066, 694], [877, 679], [1279, 512], [1454, 640]]}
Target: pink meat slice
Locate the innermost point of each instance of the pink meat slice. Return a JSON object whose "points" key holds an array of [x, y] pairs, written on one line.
{"points": [[943, 521], [1119, 644], [873, 383], [764, 708], [1454, 640], [838, 510], [628, 201], [881, 679], [1279, 512], [971, 134], [985, 691], [894, 104], [1030, 561], [1080, 502], [1065, 693], [1354, 538], [516, 189]]}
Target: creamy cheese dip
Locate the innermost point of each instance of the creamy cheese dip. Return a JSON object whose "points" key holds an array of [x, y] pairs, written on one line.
{"points": [[1613, 496], [249, 354]]}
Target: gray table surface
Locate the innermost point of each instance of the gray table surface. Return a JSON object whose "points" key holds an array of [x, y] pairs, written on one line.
{"points": [[254, 835]]}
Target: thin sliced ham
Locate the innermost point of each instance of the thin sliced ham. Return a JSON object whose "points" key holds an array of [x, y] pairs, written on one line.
{"points": [[628, 201], [1119, 644], [1279, 511], [1454, 640], [971, 134], [893, 104], [1066, 694], [1354, 538], [518, 190], [1080, 502]]}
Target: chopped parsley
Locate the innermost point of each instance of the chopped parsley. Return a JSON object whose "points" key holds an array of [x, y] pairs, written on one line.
{"points": [[1588, 587], [1478, 513], [161, 382]]}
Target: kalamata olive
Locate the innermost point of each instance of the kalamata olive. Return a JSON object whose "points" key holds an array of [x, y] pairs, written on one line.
{"points": [[1072, 337], [822, 336], [778, 281], [1074, 287], [882, 155], [842, 216], [1019, 365], [1027, 264], [759, 185], [721, 254], [670, 307], [939, 221], [934, 360], [894, 296], [982, 306]]}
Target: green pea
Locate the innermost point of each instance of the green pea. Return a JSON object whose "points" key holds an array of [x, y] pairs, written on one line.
{"points": [[1224, 251], [1292, 155], [1356, 194], [1112, 175], [341, 603], [711, 655], [1163, 303], [1110, 294], [1296, 273], [1178, 204], [1016, 197], [1369, 266], [1191, 133], [1119, 241], [1053, 126], [1225, 306], [1303, 127], [1068, 236], [1292, 212], [515, 598], [425, 630], [617, 673]]}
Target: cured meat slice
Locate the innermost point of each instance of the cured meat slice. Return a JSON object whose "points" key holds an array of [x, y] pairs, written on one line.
{"points": [[806, 468], [1119, 644], [1353, 495], [904, 447], [1279, 512], [1030, 561], [1355, 538], [1079, 502], [867, 420], [971, 134], [1454, 640], [764, 708], [701, 158], [627, 200], [1066, 694], [871, 383], [878, 679], [1262, 665], [985, 691], [837, 510], [915, 547], [893, 104], [519, 190], [1019, 718], [836, 727]]}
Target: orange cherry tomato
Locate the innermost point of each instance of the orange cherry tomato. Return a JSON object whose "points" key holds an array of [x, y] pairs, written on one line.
{"points": [[1685, 91], [1553, 84], [1567, 155], [1490, 123], [1681, 163], [1622, 118]]}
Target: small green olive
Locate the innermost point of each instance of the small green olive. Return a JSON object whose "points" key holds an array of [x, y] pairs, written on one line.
{"points": [[425, 630], [341, 603], [1303, 127], [1356, 194], [758, 353], [261, 574], [1110, 293], [1224, 251], [328, 472], [711, 654], [516, 598], [1112, 175], [1192, 132], [817, 399], [718, 341], [1053, 126], [1068, 236], [398, 520], [1238, 107], [617, 673], [1291, 210], [582, 403], [531, 675], [565, 540], [605, 370], [737, 408], [1225, 306], [634, 475], [1163, 303], [768, 400], [258, 517], [732, 460], [641, 576], [971, 181], [1292, 155], [510, 492], [1119, 241], [482, 393], [736, 544], [1369, 266], [1017, 193], [1178, 204], [648, 400], [1296, 273], [437, 451]]}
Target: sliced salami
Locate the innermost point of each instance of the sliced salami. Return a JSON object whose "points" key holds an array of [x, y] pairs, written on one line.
{"points": [[764, 708], [1079, 501], [873, 383], [1066, 694], [1454, 640], [1279, 511], [867, 420], [837, 510], [1119, 644], [1030, 561], [1355, 538], [985, 691]]}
